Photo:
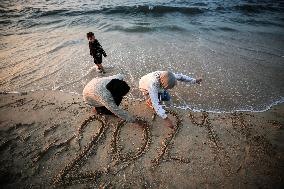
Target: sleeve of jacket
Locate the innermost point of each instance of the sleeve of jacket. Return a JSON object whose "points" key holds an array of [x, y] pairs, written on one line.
{"points": [[153, 93], [184, 78], [110, 104], [104, 53], [102, 50], [91, 49]]}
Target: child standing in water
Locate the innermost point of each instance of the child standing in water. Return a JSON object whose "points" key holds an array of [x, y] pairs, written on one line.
{"points": [[96, 51]]}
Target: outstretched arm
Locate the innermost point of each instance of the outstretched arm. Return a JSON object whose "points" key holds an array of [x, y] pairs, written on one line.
{"points": [[184, 78]]}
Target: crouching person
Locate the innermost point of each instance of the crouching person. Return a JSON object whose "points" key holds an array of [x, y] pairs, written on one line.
{"points": [[154, 87], [105, 95]]}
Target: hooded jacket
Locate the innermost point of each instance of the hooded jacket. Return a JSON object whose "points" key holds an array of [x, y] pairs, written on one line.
{"points": [[96, 94]]}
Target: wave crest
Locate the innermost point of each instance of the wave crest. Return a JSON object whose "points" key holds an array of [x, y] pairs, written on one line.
{"points": [[159, 9], [255, 8], [145, 29]]}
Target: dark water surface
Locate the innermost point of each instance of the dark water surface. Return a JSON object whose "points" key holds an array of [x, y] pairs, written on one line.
{"points": [[236, 46]]}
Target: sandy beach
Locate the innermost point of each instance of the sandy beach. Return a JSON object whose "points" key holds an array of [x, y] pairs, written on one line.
{"points": [[50, 139]]}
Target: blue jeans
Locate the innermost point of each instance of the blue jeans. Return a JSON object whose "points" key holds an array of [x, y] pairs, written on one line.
{"points": [[165, 96]]}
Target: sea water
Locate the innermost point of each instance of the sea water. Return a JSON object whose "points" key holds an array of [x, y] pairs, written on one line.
{"points": [[236, 46]]}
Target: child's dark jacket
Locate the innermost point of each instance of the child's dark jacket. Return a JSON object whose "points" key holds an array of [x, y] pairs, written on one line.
{"points": [[96, 49]]}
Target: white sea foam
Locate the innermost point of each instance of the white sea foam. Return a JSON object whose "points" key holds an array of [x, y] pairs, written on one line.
{"points": [[183, 107]]}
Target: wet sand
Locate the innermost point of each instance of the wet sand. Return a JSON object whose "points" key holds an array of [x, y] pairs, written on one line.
{"points": [[51, 139]]}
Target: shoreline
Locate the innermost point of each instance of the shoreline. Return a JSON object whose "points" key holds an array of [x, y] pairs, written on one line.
{"points": [[268, 107], [51, 139]]}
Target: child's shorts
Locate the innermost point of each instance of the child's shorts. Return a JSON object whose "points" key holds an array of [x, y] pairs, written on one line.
{"points": [[98, 59]]}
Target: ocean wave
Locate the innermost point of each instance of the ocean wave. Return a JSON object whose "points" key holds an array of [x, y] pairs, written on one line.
{"points": [[138, 9], [256, 8], [144, 29], [200, 4], [134, 29], [219, 28], [229, 29], [53, 12], [5, 22], [257, 22], [33, 23], [151, 9], [249, 8], [32, 12], [9, 14], [65, 44], [158, 9]]}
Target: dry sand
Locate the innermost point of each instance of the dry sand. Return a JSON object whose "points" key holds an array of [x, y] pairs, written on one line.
{"points": [[51, 139]]}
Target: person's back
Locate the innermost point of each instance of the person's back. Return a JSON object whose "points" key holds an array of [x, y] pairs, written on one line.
{"points": [[97, 86], [105, 94], [148, 80]]}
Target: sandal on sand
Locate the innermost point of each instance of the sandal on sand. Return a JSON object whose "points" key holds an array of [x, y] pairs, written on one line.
{"points": [[101, 71]]}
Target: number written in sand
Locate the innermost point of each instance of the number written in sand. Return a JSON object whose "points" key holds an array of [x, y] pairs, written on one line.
{"points": [[72, 173]]}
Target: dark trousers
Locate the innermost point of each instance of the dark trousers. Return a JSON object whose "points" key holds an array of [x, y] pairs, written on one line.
{"points": [[104, 110], [165, 96]]}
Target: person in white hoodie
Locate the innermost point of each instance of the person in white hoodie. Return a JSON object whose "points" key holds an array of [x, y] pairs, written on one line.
{"points": [[154, 87], [105, 95]]}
